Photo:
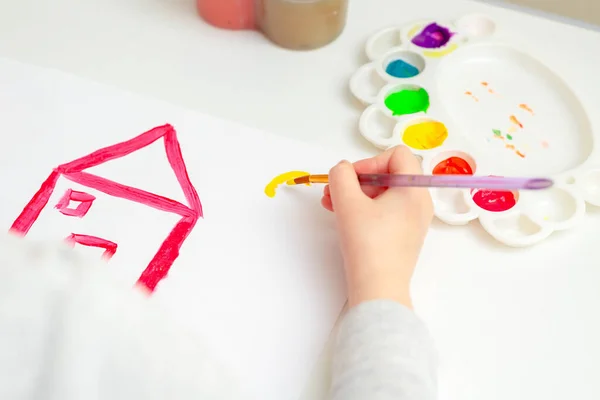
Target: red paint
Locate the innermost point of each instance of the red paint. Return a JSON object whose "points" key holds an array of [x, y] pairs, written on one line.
{"points": [[32, 210], [453, 166], [496, 201], [129, 193], [168, 252], [161, 262], [110, 248], [85, 202]]}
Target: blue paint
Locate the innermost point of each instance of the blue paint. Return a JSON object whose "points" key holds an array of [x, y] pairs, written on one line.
{"points": [[401, 69]]}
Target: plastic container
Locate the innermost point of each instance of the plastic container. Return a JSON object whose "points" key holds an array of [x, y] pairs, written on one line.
{"points": [[228, 14], [293, 24]]}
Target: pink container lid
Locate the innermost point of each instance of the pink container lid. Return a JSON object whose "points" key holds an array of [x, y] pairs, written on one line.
{"points": [[228, 14]]}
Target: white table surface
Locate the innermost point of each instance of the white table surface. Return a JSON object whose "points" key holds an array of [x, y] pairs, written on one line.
{"points": [[509, 323]]}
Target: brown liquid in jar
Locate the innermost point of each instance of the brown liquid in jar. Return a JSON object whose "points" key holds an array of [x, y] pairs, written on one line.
{"points": [[301, 24]]}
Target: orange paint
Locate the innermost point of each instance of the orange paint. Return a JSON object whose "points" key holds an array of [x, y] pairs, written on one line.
{"points": [[491, 91], [512, 129], [515, 121], [484, 84], [526, 108], [468, 93], [498, 135]]}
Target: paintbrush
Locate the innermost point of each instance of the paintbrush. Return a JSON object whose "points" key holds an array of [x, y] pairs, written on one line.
{"points": [[439, 181]]}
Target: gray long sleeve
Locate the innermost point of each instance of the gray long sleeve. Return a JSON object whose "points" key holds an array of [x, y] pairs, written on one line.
{"points": [[383, 351]]}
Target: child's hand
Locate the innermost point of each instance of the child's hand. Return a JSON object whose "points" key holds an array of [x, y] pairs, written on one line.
{"points": [[381, 230]]}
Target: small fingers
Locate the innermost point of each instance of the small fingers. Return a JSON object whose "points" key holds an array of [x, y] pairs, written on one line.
{"points": [[326, 203], [344, 189]]}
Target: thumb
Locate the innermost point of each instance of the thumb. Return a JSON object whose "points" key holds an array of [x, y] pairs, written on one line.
{"points": [[344, 187]]}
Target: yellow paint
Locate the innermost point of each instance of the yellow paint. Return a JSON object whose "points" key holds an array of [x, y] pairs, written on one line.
{"points": [[414, 30], [281, 179], [425, 135], [440, 53]]}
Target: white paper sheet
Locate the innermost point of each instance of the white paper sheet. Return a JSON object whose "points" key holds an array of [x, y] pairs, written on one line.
{"points": [[259, 279]]}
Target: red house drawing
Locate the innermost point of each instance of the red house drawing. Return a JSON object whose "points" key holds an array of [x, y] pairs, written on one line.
{"points": [[74, 171]]}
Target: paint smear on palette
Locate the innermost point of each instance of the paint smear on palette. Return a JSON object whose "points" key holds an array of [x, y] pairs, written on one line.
{"points": [[498, 135], [433, 36], [526, 108], [408, 101], [440, 53], [494, 200], [471, 95], [515, 121], [425, 135], [271, 188], [453, 166], [402, 69], [487, 86], [545, 144]]}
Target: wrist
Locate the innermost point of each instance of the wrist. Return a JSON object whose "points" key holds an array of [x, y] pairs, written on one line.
{"points": [[383, 285]]}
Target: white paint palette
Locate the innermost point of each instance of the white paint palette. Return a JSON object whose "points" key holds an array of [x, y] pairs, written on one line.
{"points": [[467, 103]]}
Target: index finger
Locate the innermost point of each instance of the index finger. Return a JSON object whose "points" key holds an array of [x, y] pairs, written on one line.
{"points": [[384, 163]]}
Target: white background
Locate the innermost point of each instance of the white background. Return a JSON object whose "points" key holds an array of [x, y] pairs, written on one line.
{"points": [[508, 323]]}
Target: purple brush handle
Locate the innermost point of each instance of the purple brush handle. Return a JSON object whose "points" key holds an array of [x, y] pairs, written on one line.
{"points": [[455, 181]]}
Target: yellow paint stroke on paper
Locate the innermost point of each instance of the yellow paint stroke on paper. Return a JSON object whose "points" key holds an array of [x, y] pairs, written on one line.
{"points": [[425, 135], [441, 53], [281, 179]]}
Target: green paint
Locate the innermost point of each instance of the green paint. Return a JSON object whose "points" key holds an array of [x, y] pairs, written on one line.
{"points": [[497, 132], [408, 101], [509, 137]]}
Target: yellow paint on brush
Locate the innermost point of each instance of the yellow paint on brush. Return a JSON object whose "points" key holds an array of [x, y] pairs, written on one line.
{"points": [[440, 53], [425, 135], [281, 179]]}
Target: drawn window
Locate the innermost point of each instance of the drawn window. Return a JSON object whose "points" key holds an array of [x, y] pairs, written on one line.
{"points": [[74, 203]]}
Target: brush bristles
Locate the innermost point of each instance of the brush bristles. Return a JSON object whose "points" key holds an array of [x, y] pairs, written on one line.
{"points": [[303, 180]]}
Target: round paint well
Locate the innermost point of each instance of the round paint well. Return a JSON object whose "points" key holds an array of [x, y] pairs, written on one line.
{"points": [[403, 64], [432, 36], [590, 183], [425, 134], [453, 163], [476, 26], [406, 99], [382, 42], [495, 200], [553, 205]]}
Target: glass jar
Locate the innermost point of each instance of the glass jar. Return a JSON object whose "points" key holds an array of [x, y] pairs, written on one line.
{"points": [[301, 24], [293, 24]]}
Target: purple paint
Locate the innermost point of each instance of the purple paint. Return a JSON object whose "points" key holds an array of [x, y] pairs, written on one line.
{"points": [[433, 36]]}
